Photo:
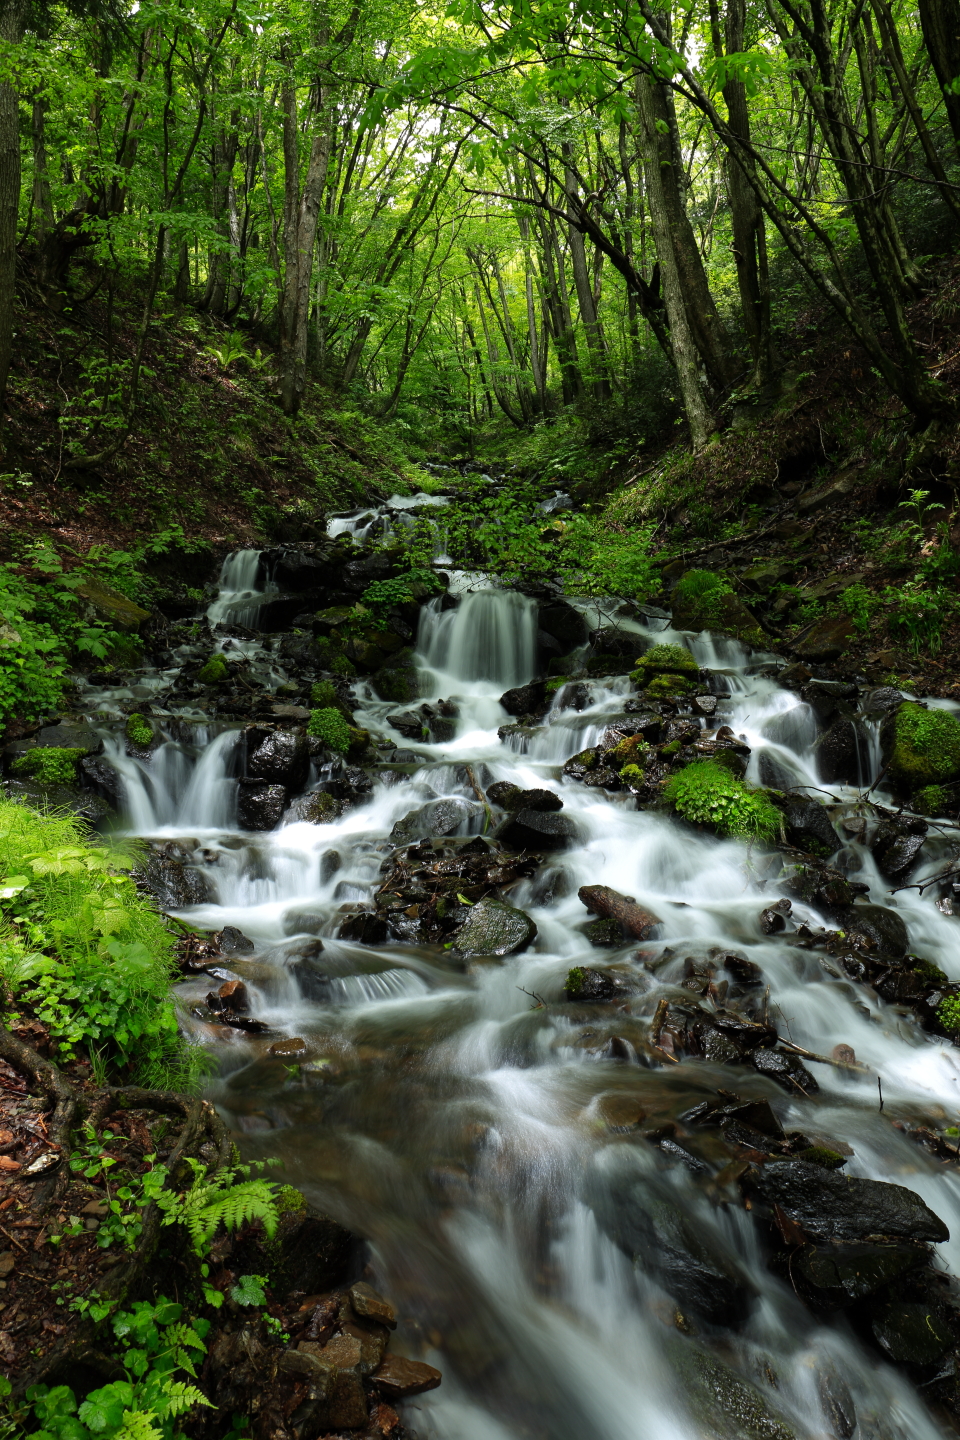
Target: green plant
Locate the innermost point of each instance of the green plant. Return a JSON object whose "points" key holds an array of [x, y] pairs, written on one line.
{"points": [[214, 672], [918, 615], [574, 982], [932, 800], [632, 775], [157, 1345], [329, 726], [664, 660], [323, 694], [382, 595], [860, 604], [139, 731], [49, 764], [706, 793], [697, 598], [948, 1012]]}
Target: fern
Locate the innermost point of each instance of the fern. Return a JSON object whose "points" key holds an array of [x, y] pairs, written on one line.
{"points": [[221, 1199], [138, 1425]]}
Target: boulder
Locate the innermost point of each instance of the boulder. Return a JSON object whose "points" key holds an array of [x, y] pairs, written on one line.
{"points": [[625, 644], [721, 1401], [109, 605], [911, 1333], [828, 1205], [808, 826], [398, 679], [920, 747], [883, 929], [440, 817], [318, 807], [824, 639], [511, 797], [309, 1251], [493, 928], [564, 623], [787, 1070], [232, 941], [261, 806], [590, 987], [281, 757], [897, 845], [832, 1276], [609, 904], [398, 1377], [838, 752], [104, 779], [537, 830], [365, 927], [172, 883], [295, 571], [529, 699]]}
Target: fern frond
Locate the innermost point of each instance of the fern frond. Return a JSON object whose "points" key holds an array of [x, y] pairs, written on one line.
{"points": [[138, 1425], [178, 1396]]}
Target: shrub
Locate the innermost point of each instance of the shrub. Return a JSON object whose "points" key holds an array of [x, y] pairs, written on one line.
{"points": [[139, 731], [329, 726], [89, 956], [49, 764], [706, 793], [948, 1012], [696, 598], [324, 694]]}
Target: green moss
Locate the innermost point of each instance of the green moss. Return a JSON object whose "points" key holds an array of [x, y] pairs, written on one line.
{"points": [[948, 1012], [667, 685], [929, 971], [630, 750], [706, 793], [359, 739], [126, 652], [932, 800], [926, 747], [139, 731], [672, 749], [324, 694], [289, 1198], [822, 1156], [632, 775], [666, 670], [552, 686], [49, 764], [574, 982], [215, 672], [587, 760], [329, 726]]}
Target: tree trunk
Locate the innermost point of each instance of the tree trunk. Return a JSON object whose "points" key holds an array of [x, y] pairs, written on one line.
{"points": [[940, 23], [11, 32], [42, 201]]}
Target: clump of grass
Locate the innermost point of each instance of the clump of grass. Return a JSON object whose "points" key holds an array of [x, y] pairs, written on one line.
{"points": [[706, 793]]}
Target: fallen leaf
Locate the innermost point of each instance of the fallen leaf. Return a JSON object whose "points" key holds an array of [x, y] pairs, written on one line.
{"points": [[7, 1164], [6, 1136]]}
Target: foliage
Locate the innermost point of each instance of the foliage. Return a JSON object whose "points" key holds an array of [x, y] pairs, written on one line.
{"points": [[84, 950], [157, 1345], [860, 604], [666, 670], [706, 793], [696, 598], [932, 800], [231, 1197], [49, 764], [329, 726], [926, 746], [323, 695], [574, 982], [139, 731], [948, 1012], [381, 596], [919, 614]]}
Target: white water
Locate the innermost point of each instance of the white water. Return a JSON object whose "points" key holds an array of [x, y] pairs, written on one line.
{"points": [[457, 1126], [240, 597]]}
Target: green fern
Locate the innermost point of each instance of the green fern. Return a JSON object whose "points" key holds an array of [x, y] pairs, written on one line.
{"points": [[221, 1199]]}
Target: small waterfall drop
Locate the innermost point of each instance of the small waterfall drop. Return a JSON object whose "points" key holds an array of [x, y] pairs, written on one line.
{"points": [[491, 636], [240, 594]]}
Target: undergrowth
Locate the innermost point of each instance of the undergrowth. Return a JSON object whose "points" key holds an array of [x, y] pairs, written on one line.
{"points": [[706, 793]]}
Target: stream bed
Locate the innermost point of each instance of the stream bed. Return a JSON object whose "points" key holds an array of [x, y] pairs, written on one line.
{"points": [[545, 1188]]}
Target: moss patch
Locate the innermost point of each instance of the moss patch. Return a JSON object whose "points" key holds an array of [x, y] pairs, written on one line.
{"points": [[324, 694], [139, 731], [49, 764], [215, 672], [706, 793], [666, 670], [329, 726], [820, 1155], [926, 747], [574, 982]]}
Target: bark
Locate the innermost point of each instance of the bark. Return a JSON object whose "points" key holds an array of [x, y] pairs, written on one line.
{"points": [[11, 32], [676, 234], [940, 23], [609, 904], [42, 201], [587, 304]]}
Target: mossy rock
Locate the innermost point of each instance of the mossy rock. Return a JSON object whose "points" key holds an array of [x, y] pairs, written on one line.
{"points": [[215, 672], [109, 605], [921, 747], [721, 1401], [49, 764], [309, 1252], [670, 664], [704, 600], [139, 731], [708, 794], [665, 687], [398, 679]]}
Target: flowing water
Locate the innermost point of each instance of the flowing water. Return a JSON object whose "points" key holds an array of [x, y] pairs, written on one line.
{"points": [[454, 1121]]}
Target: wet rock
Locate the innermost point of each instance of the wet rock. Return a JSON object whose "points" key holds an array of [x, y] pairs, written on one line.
{"points": [[358, 574], [530, 699], [493, 928], [173, 883], [838, 752], [744, 971], [604, 934], [772, 921], [832, 1276], [592, 987], [232, 941], [722, 1402], [537, 830], [370, 1305], [309, 1251], [829, 1205], [704, 704], [609, 904], [312, 978], [261, 806], [625, 644], [104, 779], [824, 639], [398, 679], [505, 795], [318, 807], [808, 826], [303, 922], [897, 844], [409, 723], [910, 1333], [684, 1259], [883, 930], [280, 757], [820, 885], [438, 818], [564, 623], [511, 797], [398, 1377], [920, 747], [787, 1070], [105, 603], [366, 927], [296, 571]]}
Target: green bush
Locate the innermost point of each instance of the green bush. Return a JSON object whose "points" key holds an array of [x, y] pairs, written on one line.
{"points": [[695, 599], [139, 731], [382, 595], [324, 694], [49, 764], [329, 726], [948, 1012], [89, 956], [214, 672], [706, 793]]}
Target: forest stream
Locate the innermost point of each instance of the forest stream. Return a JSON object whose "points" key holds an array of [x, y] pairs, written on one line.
{"points": [[546, 1184]]}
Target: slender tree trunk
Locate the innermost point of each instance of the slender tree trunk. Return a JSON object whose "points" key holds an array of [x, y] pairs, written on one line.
{"points": [[42, 202], [940, 23], [11, 31]]}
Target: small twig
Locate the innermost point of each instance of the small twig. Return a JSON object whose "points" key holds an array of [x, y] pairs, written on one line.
{"points": [[541, 1003], [880, 1091], [825, 1059], [14, 1241]]}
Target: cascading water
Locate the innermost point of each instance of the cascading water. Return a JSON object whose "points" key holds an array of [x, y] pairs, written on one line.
{"points": [[240, 597], [454, 1115]]}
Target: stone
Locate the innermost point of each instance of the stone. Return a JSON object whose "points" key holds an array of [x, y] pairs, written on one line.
{"points": [[920, 746], [896, 846], [626, 644], [621, 1113], [721, 1401], [370, 1305], [398, 1377], [109, 605], [232, 941], [318, 807], [303, 922], [511, 797], [104, 779], [824, 639], [837, 1275], [537, 830], [173, 884], [398, 679], [808, 826], [609, 904], [529, 699], [233, 995], [744, 971], [883, 929], [838, 752], [787, 1070], [829, 1205], [705, 704], [493, 928], [910, 1333], [589, 986], [261, 806], [309, 1251], [504, 795], [772, 921], [439, 818], [564, 623], [604, 934], [288, 1049], [281, 757], [311, 978], [365, 927]]}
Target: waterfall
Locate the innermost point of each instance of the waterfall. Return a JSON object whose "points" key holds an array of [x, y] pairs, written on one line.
{"points": [[490, 636], [240, 596]]}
